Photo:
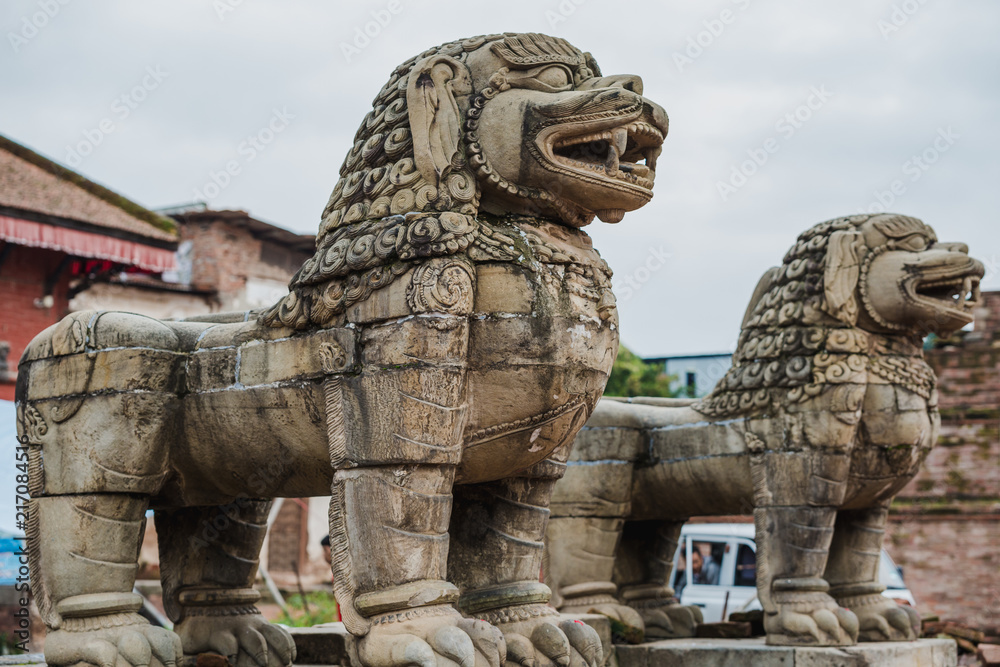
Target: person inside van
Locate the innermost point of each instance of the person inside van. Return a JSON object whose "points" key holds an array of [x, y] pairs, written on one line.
{"points": [[704, 570]]}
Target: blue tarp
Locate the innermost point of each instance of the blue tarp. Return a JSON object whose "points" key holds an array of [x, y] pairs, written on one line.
{"points": [[9, 563], [8, 473]]}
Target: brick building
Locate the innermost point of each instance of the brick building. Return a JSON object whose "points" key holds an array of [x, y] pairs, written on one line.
{"points": [[226, 261], [945, 525], [58, 232]]}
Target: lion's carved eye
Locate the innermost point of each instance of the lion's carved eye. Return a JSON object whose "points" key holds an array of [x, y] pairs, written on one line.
{"points": [[913, 243], [555, 77]]}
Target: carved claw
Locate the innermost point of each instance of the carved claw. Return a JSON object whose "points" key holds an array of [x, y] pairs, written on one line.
{"points": [[247, 640], [671, 621], [403, 649], [136, 645], [585, 640], [433, 640], [520, 651], [453, 643], [487, 639], [881, 620], [546, 640], [552, 643], [813, 621], [626, 623]]}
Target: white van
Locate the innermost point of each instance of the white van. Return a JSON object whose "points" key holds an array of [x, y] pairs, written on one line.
{"points": [[729, 559]]}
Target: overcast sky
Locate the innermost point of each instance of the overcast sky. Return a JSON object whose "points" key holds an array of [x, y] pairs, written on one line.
{"points": [[835, 99]]}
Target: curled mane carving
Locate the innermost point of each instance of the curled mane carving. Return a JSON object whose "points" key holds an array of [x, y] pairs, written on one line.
{"points": [[799, 337], [403, 198]]}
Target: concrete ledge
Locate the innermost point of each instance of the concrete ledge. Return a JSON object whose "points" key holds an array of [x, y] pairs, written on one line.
{"points": [[739, 652]]}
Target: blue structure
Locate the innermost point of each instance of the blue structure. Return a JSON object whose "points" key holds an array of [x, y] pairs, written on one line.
{"points": [[696, 373]]}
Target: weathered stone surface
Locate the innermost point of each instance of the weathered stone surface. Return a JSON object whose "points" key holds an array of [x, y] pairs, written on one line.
{"points": [[728, 652], [429, 369], [827, 412]]}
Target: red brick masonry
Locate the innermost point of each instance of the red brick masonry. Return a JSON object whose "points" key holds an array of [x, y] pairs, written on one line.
{"points": [[945, 525]]}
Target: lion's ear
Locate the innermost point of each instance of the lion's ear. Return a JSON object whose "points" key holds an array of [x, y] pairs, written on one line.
{"points": [[435, 121], [840, 279], [764, 285]]}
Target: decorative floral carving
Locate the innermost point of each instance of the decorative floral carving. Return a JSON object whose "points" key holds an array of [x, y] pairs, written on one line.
{"points": [[445, 285], [333, 357], [33, 425]]}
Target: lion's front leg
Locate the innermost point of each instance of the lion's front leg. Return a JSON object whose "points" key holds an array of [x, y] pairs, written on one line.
{"points": [[83, 562], [645, 559], [853, 574], [395, 595], [208, 561], [395, 433], [796, 495], [588, 510], [496, 560]]}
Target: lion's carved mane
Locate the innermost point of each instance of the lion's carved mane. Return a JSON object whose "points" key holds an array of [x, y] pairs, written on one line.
{"points": [[799, 336]]}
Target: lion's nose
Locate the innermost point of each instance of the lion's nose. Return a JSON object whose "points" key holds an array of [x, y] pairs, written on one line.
{"points": [[955, 247], [629, 82]]}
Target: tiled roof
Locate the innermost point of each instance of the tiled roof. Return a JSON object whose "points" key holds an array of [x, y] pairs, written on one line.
{"points": [[30, 182]]}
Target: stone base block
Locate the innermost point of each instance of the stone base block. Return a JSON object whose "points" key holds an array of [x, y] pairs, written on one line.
{"points": [[739, 652], [329, 644]]}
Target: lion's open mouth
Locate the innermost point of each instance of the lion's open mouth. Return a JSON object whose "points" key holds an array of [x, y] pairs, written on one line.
{"points": [[957, 292], [626, 153]]}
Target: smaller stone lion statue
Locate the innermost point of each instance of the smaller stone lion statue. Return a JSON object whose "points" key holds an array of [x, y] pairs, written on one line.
{"points": [[827, 412]]}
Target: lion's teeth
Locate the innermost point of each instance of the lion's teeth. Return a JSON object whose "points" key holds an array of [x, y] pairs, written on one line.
{"points": [[620, 139], [651, 154]]}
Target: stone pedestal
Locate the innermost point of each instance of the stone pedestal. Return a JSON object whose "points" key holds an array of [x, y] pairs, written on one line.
{"points": [[330, 643], [738, 652]]}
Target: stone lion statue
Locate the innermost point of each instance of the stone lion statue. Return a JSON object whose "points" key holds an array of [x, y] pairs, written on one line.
{"points": [[429, 368], [827, 412]]}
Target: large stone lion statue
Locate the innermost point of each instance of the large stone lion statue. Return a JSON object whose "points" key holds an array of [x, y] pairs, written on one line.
{"points": [[430, 367], [827, 412]]}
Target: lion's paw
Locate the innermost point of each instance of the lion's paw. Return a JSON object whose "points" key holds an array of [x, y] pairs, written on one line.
{"points": [[435, 636], [669, 619], [626, 623], [247, 640], [880, 619], [538, 636], [134, 642], [810, 619]]}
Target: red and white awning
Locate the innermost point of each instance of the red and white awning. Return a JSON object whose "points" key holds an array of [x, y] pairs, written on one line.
{"points": [[86, 244]]}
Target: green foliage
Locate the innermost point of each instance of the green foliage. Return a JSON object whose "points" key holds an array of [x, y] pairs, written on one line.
{"points": [[322, 608], [631, 376]]}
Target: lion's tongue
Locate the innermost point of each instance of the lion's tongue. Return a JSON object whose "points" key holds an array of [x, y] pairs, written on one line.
{"points": [[611, 214]]}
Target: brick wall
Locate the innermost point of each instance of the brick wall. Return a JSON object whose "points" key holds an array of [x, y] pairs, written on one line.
{"points": [[227, 255], [286, 547], [22, 281], [945, 528]]}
